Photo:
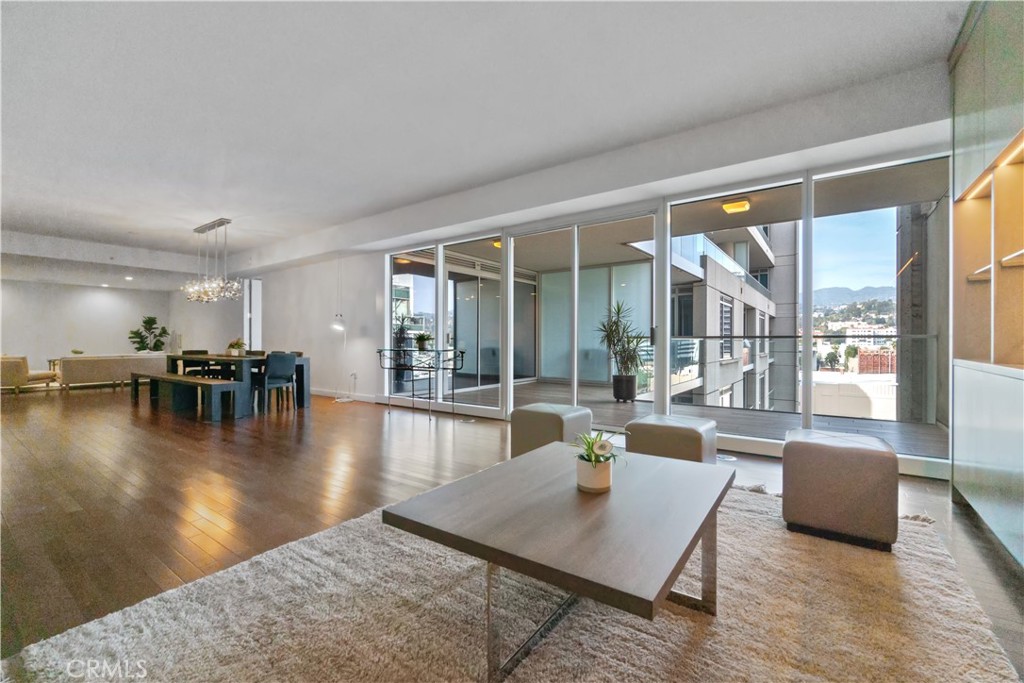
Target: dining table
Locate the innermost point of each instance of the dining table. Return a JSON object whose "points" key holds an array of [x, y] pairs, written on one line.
{"points": [[242, 371]]}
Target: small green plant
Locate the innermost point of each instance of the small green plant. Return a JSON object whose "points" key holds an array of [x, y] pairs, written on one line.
{"points": [[596, 448], [149, 337], [236, 344], [424, 338]]}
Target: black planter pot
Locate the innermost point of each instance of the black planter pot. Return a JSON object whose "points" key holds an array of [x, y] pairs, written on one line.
{"points": [[624, 387]]}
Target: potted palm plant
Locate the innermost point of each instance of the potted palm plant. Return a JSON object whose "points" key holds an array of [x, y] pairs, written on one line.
{"points": [[623, 342], [594, 463], [399, 335]]}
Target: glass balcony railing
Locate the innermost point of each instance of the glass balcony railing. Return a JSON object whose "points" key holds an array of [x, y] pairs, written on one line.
{"points": [[692, 247]]}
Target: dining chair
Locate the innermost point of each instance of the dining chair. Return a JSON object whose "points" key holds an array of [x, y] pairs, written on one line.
{"points": [[278, 373]]}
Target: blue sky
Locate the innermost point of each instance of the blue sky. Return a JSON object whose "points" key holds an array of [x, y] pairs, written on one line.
{"points": [[855, 250]]}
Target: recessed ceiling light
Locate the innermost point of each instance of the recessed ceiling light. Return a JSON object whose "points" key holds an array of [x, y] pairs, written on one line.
{"points": [[104, 285], [736, 205], [403, 261], [129, 278]]}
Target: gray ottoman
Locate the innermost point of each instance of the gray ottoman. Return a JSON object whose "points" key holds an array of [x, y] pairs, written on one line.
{"points": [[841, 486], [541, 423], [683, 438]]}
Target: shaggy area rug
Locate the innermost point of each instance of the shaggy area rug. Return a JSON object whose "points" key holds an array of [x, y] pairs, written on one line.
{"points": [[365, 602]]}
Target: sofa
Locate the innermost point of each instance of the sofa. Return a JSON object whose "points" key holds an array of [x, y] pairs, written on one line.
{"points": [[108, 369], [14, 373]]}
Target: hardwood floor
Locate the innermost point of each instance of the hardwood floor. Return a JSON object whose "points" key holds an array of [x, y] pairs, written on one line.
{"points": [[105, 503]]}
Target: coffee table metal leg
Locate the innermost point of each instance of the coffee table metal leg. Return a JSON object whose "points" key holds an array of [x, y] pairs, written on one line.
{"points": [[708, 601], [496, 670]]}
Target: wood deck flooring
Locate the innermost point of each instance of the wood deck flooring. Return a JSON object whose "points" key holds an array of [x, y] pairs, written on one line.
{"points": [[105, 504], [912, 439]]}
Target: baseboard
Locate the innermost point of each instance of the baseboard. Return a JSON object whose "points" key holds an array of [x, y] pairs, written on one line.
{"points": [[332, 393], [910, 465]]}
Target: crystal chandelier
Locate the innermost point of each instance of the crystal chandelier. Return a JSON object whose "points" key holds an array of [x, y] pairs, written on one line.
{"points": [[209, 287]]}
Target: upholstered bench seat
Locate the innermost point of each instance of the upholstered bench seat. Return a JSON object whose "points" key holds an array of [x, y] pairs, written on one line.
{"points": [[683, 438], [538, 424], [842, 486]]}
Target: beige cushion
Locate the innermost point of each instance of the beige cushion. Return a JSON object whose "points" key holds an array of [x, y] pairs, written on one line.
{"points": [[108, 369], [682, 438], [843, 483], [541, 423]]}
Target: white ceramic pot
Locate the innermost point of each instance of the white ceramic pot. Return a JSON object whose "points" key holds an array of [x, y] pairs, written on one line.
{"points": [[593, 479], [234, 352]]}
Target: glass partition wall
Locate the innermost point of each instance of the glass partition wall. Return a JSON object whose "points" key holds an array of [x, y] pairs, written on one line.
{"points": [[873, 256]]}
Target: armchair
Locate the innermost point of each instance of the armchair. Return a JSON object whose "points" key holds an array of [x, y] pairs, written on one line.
{"points": [[14, 373]]}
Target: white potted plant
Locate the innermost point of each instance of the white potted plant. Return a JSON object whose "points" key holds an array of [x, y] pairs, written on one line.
{"points": [[594, 464]]}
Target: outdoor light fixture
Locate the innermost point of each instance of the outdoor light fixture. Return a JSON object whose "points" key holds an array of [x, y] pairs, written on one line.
{"points": [[207, 287], [736, 205], [497, 244], [339, 323]]}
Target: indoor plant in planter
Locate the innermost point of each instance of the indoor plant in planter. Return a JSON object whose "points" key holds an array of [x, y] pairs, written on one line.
{"points": [[399, 336], [236, 347], [149, 337], [594, 464], [623, 342], [422, 339]]}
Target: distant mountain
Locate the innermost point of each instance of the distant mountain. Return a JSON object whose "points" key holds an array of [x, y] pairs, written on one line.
{"points": [[836, 296]]}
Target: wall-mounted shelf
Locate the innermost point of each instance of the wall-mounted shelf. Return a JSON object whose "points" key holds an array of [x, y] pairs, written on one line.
{"points": [[983, 274], [1013, 260]]}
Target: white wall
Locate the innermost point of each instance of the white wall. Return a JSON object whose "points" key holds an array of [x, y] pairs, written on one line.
{"points": [[206, 326], [43, 320], [299, 305]]}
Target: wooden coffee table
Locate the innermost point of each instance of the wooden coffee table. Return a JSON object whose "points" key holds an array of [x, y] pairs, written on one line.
{"points": [[624, 548]]}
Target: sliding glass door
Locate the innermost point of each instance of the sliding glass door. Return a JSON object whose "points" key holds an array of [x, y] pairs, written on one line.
{"points": [[473, 320], [881, 257], [773, 322], [545, 308], [616, 274]]}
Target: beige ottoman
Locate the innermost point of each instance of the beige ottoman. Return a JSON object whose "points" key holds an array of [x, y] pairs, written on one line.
{"points": [[541, 423], [683, 438], [841, 486]]}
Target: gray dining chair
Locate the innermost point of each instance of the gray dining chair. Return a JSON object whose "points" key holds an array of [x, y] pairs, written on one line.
{"points": [[278, 373]]}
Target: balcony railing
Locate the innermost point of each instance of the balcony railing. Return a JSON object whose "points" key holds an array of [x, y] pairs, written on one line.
{"points": [[692, 247]]}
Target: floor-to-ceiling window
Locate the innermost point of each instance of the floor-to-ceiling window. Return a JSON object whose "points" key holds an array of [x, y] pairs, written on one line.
{"points": [[473, 320], [545, 257], [615, 295], [734, 305], [412, 315], [881, 257], [738, 265]]}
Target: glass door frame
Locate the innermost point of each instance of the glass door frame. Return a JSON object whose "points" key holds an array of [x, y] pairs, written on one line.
{"points": [[660, 208]]}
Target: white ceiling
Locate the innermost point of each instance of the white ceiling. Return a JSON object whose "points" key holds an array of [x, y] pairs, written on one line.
{"points": [[132, 123]]}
